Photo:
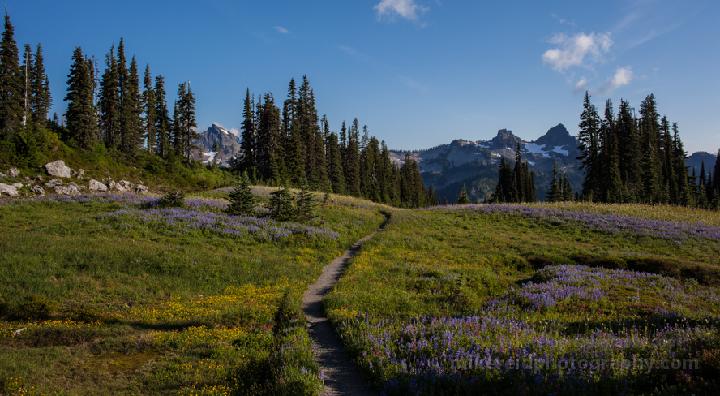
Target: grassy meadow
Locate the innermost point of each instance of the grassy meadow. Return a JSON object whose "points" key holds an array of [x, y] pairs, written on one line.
{"points": [[104, 296], [539, 299]]}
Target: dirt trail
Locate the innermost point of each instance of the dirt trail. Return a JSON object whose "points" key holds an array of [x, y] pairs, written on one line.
{"points": [[341, 374]]}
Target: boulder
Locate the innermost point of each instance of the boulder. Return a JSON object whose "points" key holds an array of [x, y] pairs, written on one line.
{"points": [[96, 186], [141, 189], [18, 185], [14, 172], [52, 183], [37, 190], [122, 186], [70, 189], [6, 189], [58, 169]]}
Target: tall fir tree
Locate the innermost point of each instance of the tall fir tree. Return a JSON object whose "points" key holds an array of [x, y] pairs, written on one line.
{"points": [[589, 148], [109, 102], [40, 99], [352, 160], [248, 141], [150, 108], [11, 110], [611, 184], [132, 133], [269, 153], [334, 159], [26, 78], [651, 163], [163, 123], [80, 116]]}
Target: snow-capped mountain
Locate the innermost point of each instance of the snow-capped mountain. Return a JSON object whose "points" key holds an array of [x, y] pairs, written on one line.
{"points": [[218, 145], [474, 163]]}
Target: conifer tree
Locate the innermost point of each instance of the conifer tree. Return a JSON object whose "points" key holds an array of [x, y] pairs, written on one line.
{"points": [[334, 161], [463, 196], [555, 191], [162, 122], [249, 136], [385, 175], [81, 116], [11, 110], [305, 206], [150, 108], [668, 169], [294, 142], [589, 148], [269, 156], [651, 163], [630, 155], [26, 75], [280, 207], [131, 113], [611, 185], [352, 160], [184, 123], [109, 103], [242, 200], [40, 99]]}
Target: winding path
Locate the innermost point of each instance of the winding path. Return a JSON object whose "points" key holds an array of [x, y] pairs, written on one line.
{"points": [[342, 376]]}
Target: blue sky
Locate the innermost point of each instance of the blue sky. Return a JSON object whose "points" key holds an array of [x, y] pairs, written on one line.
{"points": [[417, 72]]}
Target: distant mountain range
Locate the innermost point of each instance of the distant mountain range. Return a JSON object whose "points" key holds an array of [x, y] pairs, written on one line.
{"points": [[474, 163], [448, 167], [217, 145]]}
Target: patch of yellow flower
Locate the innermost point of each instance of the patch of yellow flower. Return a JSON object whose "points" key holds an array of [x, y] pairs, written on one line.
{"points": [[250, 300], [11, 329], [205, 390], [342, 313], [197, 335]]}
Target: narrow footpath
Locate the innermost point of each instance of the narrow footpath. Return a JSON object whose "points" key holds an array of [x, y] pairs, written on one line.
{"points": [[341, 374]]}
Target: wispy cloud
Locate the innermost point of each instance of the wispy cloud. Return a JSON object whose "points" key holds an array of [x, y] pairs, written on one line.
{"points": [[623, 76], [563, 21], [407, 9], [581, 84], [576, 50], [281, 29]]}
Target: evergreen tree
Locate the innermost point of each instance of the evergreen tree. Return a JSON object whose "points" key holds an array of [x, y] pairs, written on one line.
{"points": [[555, 191], [305, 206], [184, 123], [162, 121], [280, 207], [463, 196], [589, 148], [670, 183], [11, 110], [131, 114], [352, 160], [26, 75], [150, 105], [651, 163], [269, 156], [40, 99], [334, 161], [611, 185], [630, 155], [505, 189], [385, 175], [80, 116], [294, 143], [248, 142], [716, 176], [242, 200], [109, 103]]}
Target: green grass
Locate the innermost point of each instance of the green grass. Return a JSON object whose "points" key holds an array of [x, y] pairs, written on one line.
{"points": [[450, 263], [137, 307]]}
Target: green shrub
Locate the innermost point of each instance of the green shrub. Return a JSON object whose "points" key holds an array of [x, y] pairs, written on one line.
{"points": [[305, 206], [280, 206], [242, 201], [33, 307], [173, 199]]}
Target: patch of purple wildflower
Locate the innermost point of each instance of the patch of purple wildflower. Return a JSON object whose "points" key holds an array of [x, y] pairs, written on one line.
{"points": [[611, 223], [221, 223]]}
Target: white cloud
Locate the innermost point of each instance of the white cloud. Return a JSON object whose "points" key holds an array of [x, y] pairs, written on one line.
{"points": [[281, 29], [581, 84], [623, 76], [576, 50], [407, 9]]}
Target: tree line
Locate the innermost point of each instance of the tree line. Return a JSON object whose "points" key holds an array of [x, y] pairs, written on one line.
{"points": [[109, 109], [627, 158], [288, 144], [517, 183]]}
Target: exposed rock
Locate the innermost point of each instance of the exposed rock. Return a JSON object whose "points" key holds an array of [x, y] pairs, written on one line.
{"points": [[80, 173], [96, 186], [18, 185], [122, 186], [52, 183], [141, 189], [37, 190], [6, 189], [58, 169], [70, 189], [14, 172]]}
